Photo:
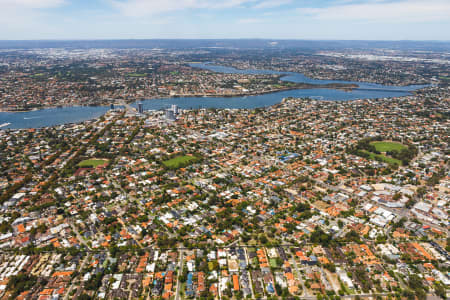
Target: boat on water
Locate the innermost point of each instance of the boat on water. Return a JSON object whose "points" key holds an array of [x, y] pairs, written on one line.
{"points": [[4, 125]]}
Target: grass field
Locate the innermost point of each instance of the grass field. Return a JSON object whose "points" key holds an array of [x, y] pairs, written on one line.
{"points": [[137, 75], [273, 263], [92, 163], [179, 161], [388, 146], [384, 158], [255, 261], [37, 75]]}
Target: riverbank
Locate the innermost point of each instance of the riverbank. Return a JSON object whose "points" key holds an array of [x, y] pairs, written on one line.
{"points": [[284, 73], [2, 110], [297, 81], [297, 86], [345, 87]]}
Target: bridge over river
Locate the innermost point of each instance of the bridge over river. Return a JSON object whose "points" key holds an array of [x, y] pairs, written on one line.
{"points": [[127, 106]]}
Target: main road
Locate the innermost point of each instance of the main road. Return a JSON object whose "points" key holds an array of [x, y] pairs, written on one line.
{"points": [[180, 270]]}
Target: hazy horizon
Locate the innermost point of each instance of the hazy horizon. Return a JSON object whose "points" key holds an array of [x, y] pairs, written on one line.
{"points": [[225, 39], [274, 44], [388, 20]]}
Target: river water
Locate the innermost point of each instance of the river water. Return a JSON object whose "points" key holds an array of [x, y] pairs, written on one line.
{"points": [[75, 114]]}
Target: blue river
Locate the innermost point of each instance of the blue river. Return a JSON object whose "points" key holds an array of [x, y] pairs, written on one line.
{"points": [[76, 114]]}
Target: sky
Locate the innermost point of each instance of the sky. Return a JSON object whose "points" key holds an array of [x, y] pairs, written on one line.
{"points": [[228, 19]]}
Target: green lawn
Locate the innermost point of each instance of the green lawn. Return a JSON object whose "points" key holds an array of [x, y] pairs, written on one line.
{"points": [[255, 261], [388, 146], [137, 75], [252, 242], [384, 158], [92, 163], [273, 263], [37, 75], [179, 161]]}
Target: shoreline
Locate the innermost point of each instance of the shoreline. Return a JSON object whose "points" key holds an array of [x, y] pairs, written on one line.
{"points": [[51, 107], [300, 86], [284, 99], [287, 73]]}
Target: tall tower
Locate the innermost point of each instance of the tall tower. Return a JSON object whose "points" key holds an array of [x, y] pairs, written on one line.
{"points": [[140, 107], [175, 109], [170, 115]]}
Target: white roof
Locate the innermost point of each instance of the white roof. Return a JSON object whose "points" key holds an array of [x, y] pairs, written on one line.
{"points": [[18, 196], [423, 206], [368, 206]]}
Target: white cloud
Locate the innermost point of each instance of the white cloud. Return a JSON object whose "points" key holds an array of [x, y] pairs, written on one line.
{"points": [[383, 11], [30, 3], [140, 8], [22, 18], [271, 3]]}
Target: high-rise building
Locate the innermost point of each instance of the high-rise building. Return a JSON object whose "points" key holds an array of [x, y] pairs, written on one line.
{"points": [[175, 109], [140, 107], [170, 115]]}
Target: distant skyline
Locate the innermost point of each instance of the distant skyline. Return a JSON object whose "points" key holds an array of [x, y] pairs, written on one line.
{"points": [[218, 19]]}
